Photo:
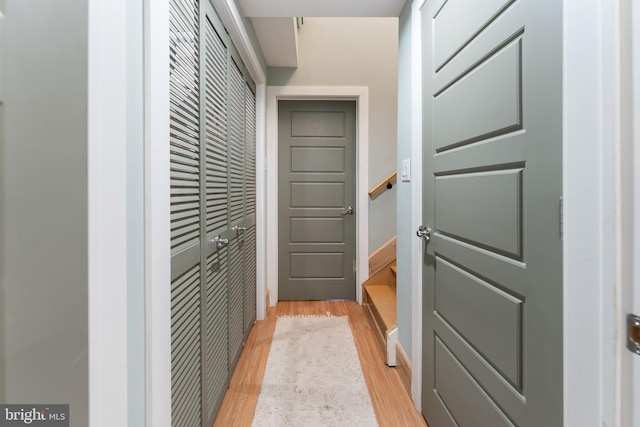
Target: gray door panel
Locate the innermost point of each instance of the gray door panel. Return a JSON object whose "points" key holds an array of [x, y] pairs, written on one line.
{"points": [[494, 327], [236, 195], [236, 297], [316, 184], [250, 281], [320, 230], [185, 348], [457, 23], [496, 198], [463, 397], [249, 235], [493, 382], [215, 295], [460, 111], [492, 300]]}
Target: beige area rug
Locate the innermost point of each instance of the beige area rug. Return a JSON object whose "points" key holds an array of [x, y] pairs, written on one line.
{"points": [[313, 376]]}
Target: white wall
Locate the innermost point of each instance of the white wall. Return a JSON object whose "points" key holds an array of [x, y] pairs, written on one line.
{"points": [[404, 221], [357, 52], [44, 231], [135, 215], [2, 337]]}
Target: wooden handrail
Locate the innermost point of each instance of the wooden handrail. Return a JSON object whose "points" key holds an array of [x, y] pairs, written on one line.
{"points": [[384, 185]]}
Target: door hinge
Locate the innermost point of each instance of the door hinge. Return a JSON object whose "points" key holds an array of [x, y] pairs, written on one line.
{"points": [[561, 218], [355, 266], [633, 333]]}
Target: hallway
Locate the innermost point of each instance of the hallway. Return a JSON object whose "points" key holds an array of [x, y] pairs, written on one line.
{"points": [[91, 296], [391, 402]]}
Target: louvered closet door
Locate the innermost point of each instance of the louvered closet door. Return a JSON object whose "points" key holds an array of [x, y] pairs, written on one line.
{"points": [[185, 214], [250, 210], [212, 144], [216, 361], [236, 210]]}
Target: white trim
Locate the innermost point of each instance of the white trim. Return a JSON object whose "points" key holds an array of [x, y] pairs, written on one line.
{"points": [[416, 202], [631, 405], [629, 204], [361, 95], [107, 215], [590, 141], [233, 21], [261, 214], [392, 341], [157, 215]]}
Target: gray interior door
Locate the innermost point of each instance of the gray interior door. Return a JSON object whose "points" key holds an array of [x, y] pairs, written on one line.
{"points": [[216, 371], [492, 323], [316, 227]]}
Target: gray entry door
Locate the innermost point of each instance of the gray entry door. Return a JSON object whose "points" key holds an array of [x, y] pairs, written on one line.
{"points": [[492, 323], [316, 169]]}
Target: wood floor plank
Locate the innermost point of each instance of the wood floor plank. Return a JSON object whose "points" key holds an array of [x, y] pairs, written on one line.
{"points": [[392, 405]]}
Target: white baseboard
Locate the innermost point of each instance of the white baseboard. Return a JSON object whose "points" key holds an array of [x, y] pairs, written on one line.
{"points": [[392, 340]]}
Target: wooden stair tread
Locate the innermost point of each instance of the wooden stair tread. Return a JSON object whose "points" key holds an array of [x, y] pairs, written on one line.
{"points": [[382, 299], [394, 270]]}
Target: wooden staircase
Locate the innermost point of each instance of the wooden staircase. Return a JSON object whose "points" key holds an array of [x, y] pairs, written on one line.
{"points": [[379, 296], [379, 291]]}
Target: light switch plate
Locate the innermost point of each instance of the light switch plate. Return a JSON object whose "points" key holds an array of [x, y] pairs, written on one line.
{"points": [[406, 170]]}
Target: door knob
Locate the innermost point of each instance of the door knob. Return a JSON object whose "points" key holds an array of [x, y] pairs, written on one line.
{"points": [[348, 211], [424, 231], [220, 242], [239, 229]]}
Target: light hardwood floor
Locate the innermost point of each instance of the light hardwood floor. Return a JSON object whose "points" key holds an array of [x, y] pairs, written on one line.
{"points": [[392, 405]]}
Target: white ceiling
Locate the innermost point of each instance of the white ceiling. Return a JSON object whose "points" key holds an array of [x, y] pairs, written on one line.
{"points": [[320, 8], [277, 32], [278, 39]]}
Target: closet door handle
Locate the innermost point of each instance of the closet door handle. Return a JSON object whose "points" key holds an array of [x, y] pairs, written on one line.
{"points": [[220, 242], [239, 230]]}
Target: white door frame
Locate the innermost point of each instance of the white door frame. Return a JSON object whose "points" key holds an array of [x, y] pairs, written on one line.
{"points": [[592, 179], [630, 202], [360, 94], [157, 270], [108, 326], [416, 200]]}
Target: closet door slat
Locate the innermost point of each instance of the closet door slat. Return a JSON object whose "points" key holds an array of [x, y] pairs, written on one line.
{"points": [[185, 153]]}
